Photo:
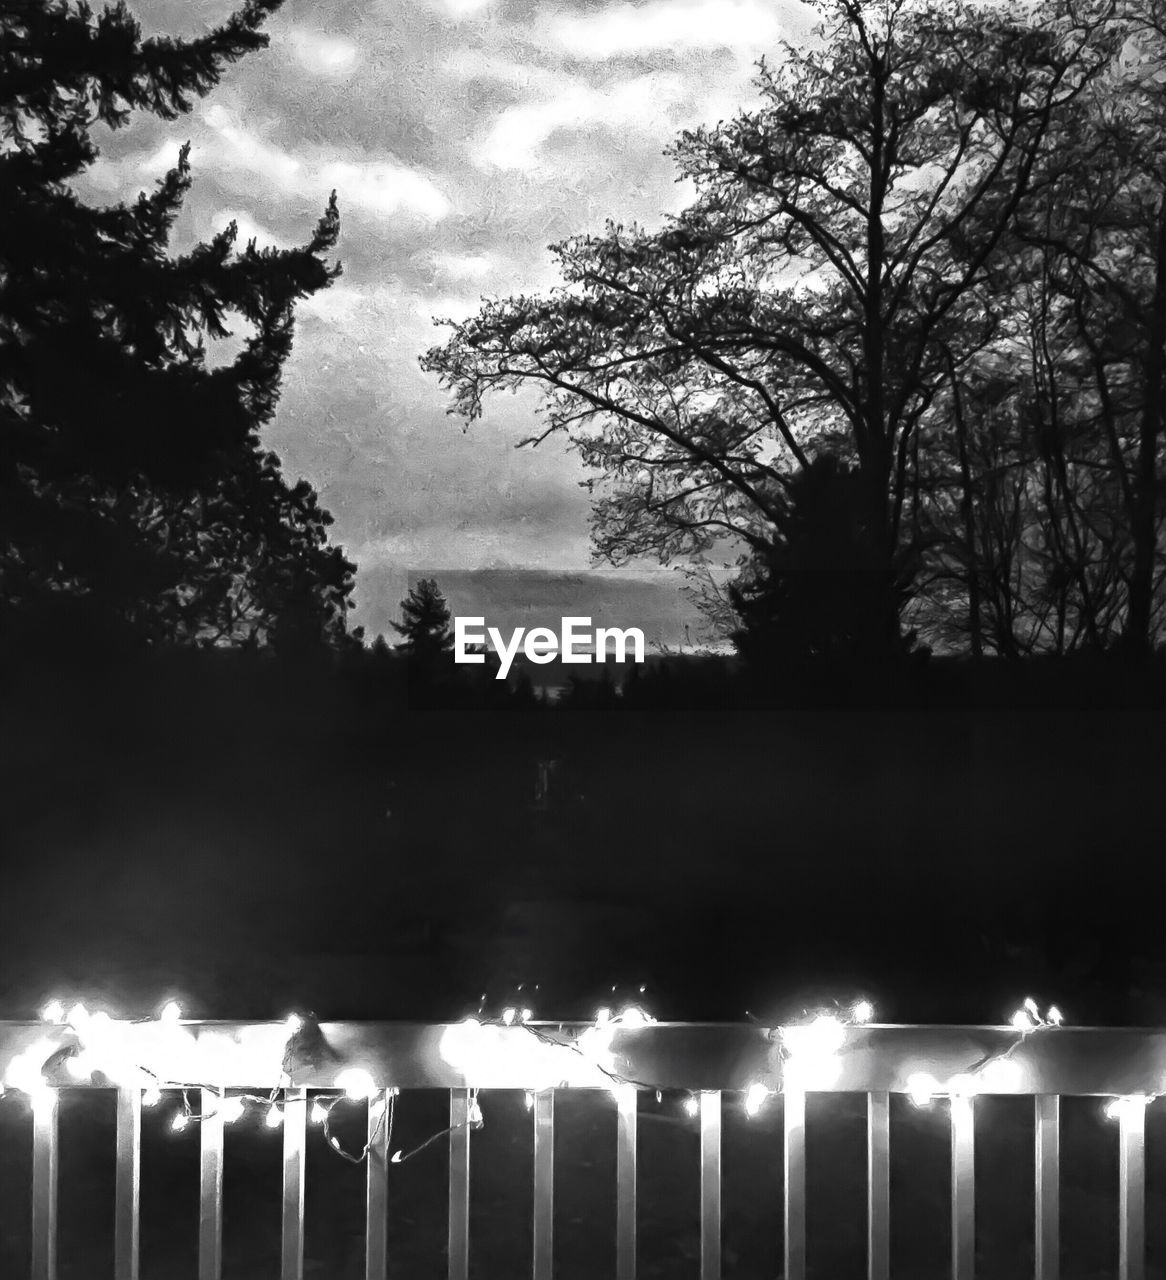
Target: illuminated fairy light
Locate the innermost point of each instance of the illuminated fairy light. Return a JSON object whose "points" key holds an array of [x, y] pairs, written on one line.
{"points": [[319, 1113], [1128, 1107], [54, 1011], [508, 1016], [691, 1104], [171, 1012], [356, 1083], [231, 1109], [151, 1096], [755, 1097], [863, 1011], [810, 1053], [180, 1121], [922, 1087], [274, 1117]]}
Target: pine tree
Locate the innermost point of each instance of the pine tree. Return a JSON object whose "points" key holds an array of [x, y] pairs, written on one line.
{"points": [[426, 622], [135, 495]]}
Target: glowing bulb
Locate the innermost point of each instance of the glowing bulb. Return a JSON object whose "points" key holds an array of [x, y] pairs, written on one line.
{"points": [[474, 1114], [54, 1011], [602, 1016], [231, 1109], [319, 1113], [508, 1016], [294, 1023], [526, 1015], [921, 1088], [179, 1122], [529, 1100], [356, 1083], [171, 1011], [634, 1016], [1021, 1021], [395, 1158], [1030, 1005], [274, 1117], [78, 1015], [151, 1095], [691, 1105], [863, 1011], [1128, 1106], [1054, 1015], [755, 1097]]}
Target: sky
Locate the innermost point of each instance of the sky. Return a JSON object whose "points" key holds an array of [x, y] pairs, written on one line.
{"points": [[463, 137]]}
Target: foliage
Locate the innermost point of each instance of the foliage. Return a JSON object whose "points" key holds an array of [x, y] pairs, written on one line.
{"points": [[835, 262], [135, 496]]}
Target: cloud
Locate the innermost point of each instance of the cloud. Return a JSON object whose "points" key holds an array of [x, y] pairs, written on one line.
{"points": [[642, 104], [322, 54], [379, 187], [673, 24]]}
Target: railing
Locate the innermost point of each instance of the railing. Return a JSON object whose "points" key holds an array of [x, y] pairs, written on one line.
{"points": [[708, 1060]]}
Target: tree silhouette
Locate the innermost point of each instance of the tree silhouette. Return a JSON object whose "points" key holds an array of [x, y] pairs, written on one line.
{"points": [[807, 298], [135, 496], [823, 588], [426, 623]]}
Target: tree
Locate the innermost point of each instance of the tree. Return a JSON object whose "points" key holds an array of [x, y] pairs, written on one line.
{"points": [[135, 495], [821, 589], [426, 623], [810, 296]]}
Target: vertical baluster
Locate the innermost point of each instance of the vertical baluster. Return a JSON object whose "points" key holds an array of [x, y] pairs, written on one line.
{"points": [[1132, 1192], [878, 1186], [128, 1184], [794, 1143], [376, 1190], [1047, 1191], [627, 1101], [544, 1183], [210, 1214], [459, 1184], [295, 1143], [44, 1184], [710, 1185], [963, 1189]]}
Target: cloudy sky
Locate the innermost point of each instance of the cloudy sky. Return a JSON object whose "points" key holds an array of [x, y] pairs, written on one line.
{"points": [[463, 137]]}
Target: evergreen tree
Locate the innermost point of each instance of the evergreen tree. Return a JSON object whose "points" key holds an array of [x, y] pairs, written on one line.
{"points": [[426, 623], [135, 496]]}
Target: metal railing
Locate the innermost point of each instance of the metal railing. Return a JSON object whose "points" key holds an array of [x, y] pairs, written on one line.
{"points": [[706, 1059]]}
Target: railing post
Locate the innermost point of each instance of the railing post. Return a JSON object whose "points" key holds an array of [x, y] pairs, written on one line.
{"points": [[127, 1192], [45, 1105], [210, 1217], [1047, 1191], [459, 1184], [627, 1100], [376, 1187], [878, 1186], [1132, 1191], [544, 1184], [794, 1156], [710, 1185], [295, 1140], [963, 1188]]}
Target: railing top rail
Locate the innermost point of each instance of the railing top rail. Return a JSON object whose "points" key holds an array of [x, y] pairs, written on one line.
{"points": [[1100, 1061]]}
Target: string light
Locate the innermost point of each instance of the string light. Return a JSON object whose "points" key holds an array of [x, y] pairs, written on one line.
{"points": [[810, 1059]]}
